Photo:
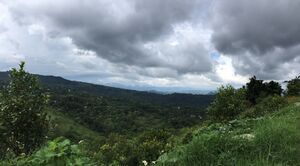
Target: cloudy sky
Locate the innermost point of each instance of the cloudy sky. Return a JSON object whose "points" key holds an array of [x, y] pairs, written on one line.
{"points": [[156, 44]]}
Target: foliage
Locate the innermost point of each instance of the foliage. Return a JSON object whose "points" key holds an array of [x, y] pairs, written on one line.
{"points": [[267, 105], [110, 115], [262, 141], [253, 89], [118, 151], [147, 147], [293, 87], [228, 103], [256, 89], [152, 144], [22, 117], [59, 152], [120, 127], [272, 88]]}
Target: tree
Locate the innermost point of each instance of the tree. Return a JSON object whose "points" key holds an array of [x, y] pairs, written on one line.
{"points": [[228, 103], [257, 89], [273, 88], [22, 117], [254, 89], [293, 87]]}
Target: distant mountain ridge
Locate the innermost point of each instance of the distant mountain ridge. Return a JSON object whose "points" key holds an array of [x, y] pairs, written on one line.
{"points": [[61, 85]]}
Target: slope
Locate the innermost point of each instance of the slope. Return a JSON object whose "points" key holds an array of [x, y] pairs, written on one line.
{"points": [[269, 140]]}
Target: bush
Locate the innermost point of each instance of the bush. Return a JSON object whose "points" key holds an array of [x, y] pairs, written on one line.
{"points": [[59, 152], [267, 105], [23, 120], [118, 151], [261, 141], [147, 147], [228, 103], [152, 144], [211, 147]]}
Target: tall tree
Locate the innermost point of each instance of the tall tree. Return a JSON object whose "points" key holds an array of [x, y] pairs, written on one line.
{"points": [[293, 87], [253, 89], [273, 88], [257, 89], [22, 117]]}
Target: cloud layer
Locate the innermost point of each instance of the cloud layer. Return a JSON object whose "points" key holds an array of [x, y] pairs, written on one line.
{"points": [[194, 44], [118, 31], [262, 35]]}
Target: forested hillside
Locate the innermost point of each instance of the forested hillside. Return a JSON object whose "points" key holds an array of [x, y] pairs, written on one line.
{"points": [[112, 110], [61, 122], [59, 85]]}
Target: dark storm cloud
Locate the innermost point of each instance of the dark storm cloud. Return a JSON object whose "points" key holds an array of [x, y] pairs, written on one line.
{"points": [[118, 30], [260, 35], [257, 25]]}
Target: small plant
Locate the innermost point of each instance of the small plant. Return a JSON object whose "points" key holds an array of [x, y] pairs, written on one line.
{"points": [[59, 152]]}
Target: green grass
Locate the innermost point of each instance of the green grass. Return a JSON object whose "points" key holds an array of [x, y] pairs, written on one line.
{"points": [[270, 140]]}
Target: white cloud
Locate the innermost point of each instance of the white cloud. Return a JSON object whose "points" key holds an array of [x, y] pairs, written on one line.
{"points": [[226, 71]]}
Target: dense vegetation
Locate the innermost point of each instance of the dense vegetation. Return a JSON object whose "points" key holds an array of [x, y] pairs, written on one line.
{"points": [[267, 140], [265, 131], [23, 119], [86, 124], [115, 129]]}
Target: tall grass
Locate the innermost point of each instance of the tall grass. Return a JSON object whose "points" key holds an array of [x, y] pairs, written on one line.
{"points": [[273, 140]]}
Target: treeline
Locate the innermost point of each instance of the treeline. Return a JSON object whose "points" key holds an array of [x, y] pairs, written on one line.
{"points": [[255, 98]]}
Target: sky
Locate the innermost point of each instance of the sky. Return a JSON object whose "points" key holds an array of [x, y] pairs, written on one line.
{"points": [[153, 44]]}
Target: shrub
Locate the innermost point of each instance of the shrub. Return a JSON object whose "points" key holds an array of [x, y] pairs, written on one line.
{"points": [[118, 151], [152, 144], [59, 152], [147, 147], [260, 141], [22, 117], [267, 105], [213, 147], [228, 103]]}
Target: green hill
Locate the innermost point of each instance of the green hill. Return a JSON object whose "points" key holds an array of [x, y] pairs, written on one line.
{"points": [[109, 110], [269, 140], [60, 85]]}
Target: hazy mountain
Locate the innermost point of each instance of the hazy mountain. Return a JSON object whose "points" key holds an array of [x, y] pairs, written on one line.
{"points": [[61, 85]]}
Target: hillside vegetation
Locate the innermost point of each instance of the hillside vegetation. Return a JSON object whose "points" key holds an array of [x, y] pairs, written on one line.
{"points": [[272, 139], [62, 124]]}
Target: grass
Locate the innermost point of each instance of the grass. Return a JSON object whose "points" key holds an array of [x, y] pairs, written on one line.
{"points": [[269, 140]]}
